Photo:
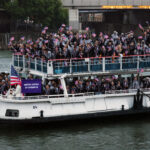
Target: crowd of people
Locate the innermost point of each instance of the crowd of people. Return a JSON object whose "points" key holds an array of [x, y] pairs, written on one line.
{"points": [[100, 85], [52, 87], [4, 83], [97, 85], [66, 44]]}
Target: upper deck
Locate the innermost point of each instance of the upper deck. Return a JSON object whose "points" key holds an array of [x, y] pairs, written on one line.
{"points": [[100, 65]]}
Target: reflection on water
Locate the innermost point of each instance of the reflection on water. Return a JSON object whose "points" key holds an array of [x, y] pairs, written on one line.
{"points": [[91, 135]]}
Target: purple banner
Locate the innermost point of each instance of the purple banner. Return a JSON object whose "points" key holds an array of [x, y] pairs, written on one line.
{"points": [[31, 86]]}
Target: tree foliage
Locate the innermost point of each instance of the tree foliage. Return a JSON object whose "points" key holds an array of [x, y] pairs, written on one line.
{"points": [[45, 12]]}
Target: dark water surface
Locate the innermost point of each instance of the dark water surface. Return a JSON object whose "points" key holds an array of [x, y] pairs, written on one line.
{"points": [[129, 134], [92, 135]]}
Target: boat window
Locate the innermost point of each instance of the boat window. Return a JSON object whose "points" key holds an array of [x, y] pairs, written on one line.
{"points": [[12, 113]]}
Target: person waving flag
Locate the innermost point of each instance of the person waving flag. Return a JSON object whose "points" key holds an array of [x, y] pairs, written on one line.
{"points": [[14, 78]]}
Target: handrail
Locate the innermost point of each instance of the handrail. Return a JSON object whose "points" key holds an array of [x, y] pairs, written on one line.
{"points": [[50, 97], [126, 91], [76, 65], [46, 96], [89, 57], [120, 91]]}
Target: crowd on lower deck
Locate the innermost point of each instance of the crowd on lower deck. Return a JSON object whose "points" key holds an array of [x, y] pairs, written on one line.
{"points": [[97, 85], [101, 85], [94, 84], [4, 83]]}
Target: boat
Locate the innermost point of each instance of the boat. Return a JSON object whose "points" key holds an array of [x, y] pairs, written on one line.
{"points": [[63, 107]]}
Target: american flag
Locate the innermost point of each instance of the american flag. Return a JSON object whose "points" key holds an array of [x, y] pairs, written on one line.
{"points": [[14, 78]]}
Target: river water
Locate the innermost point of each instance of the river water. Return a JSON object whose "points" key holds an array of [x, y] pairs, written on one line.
{"points": [[128, 134]]}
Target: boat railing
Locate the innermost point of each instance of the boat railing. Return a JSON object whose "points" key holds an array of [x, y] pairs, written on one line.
{"points": [[46, 96], [57, 97], [126, 91], [80, 65]]}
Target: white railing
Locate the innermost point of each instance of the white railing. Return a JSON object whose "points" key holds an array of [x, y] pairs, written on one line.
{"points": [[57, 98], [48, 97], [126, 91], [87, 65]]}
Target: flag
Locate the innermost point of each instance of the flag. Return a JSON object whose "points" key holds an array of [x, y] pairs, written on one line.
{"points": [[101, 34], [29, 41], [84, 35], [64, 38], [45, 28], [12, 38], [70, 28], [61, 29], [106, 36], [22, 38], [63, 25], [71, 36], [140, 26], [140, 37], [46, 41], [87, 28], [14, 78], [43, 31], [142, 70], [37, 41], [80, 35], [9, 44], [94, 35]]}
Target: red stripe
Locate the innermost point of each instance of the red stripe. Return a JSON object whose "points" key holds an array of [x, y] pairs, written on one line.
{"points": [[14, 78], [14, 81]]}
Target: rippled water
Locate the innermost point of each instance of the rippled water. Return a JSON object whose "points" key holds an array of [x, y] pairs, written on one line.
{"points": [[132, 134]]}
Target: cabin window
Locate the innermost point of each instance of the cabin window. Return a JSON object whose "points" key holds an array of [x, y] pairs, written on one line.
{"points": [[12, 113]]}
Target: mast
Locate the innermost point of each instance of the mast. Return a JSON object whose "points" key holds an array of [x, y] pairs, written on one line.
{"points": [[62, 79]]}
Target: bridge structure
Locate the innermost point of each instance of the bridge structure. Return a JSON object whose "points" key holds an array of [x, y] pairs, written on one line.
{"points": [[78, 10]]}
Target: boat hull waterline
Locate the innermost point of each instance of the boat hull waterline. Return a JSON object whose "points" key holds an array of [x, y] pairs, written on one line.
{"points": [[72, 108]]}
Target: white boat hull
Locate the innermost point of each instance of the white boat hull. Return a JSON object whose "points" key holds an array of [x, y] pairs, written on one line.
{"points": [[58, 109]]}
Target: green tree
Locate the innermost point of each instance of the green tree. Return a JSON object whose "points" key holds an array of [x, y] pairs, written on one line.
{"points": [[45, 12], [3, 3]]}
